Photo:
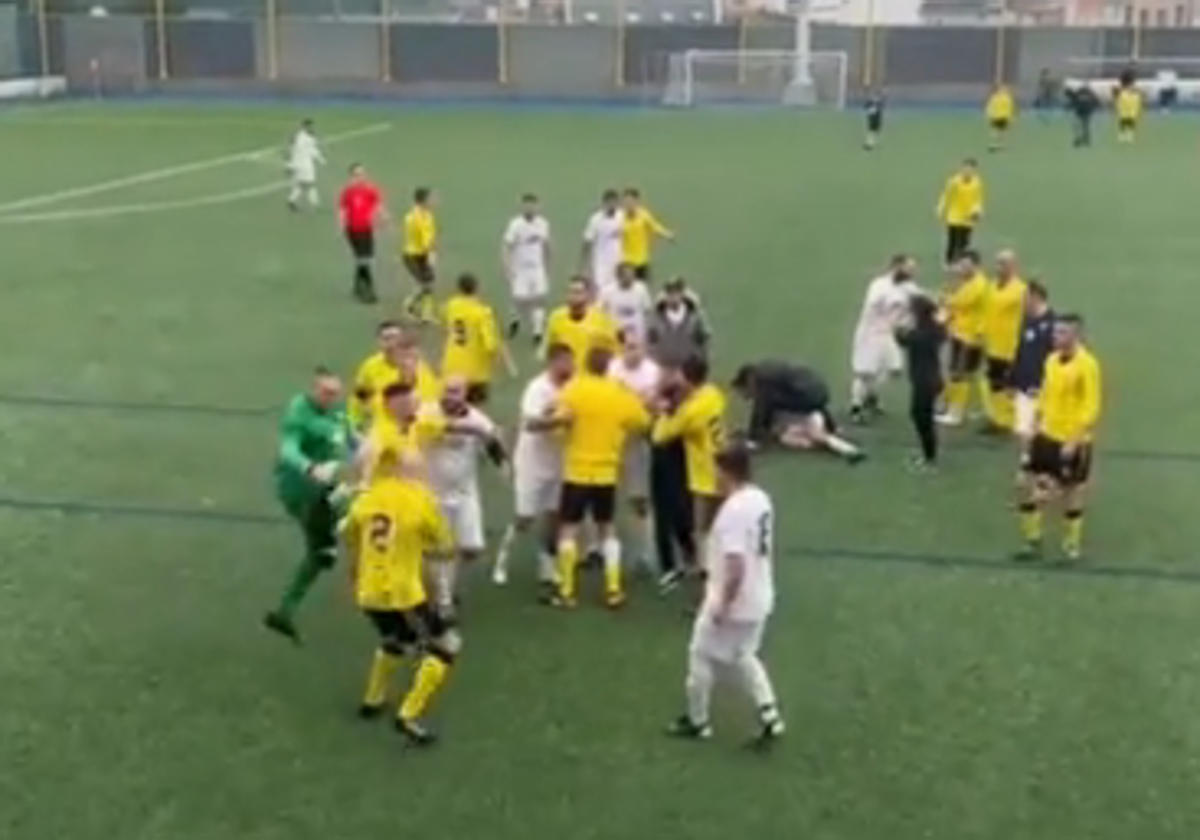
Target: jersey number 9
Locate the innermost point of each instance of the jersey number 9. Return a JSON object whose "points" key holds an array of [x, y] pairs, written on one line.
{"points": [[458, 332]]}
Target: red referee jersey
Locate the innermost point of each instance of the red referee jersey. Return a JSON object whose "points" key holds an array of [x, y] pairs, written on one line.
{"points": [[360, 202]]}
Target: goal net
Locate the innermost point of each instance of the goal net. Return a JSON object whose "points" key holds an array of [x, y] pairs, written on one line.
{"points": [[705, 78]]}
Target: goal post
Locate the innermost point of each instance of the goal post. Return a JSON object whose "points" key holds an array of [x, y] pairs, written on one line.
{"points": [[787, 78]]}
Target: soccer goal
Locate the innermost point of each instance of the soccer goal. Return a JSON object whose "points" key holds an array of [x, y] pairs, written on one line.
{"points": [[704, 78]]}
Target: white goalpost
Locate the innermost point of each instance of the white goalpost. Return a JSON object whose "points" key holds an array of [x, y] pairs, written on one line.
{"points": [[700, 78], [800, 77]]}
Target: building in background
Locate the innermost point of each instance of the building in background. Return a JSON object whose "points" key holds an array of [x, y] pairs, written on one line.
{"points": [[1146, 13]]}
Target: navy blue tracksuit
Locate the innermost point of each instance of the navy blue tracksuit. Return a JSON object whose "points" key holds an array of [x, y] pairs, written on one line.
{"points": [[1037, 342]]}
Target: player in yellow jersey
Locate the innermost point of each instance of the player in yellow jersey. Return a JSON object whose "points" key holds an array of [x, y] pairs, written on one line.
{"points": [[960, 207], [1059, 460], [1128, 105], [1001, 108], [398, 359], [697, 417], [964, 304], [597, 414], [418, 253], [1002, 314], [639, 229], [580, 324], [390, 530], [472, 340]]}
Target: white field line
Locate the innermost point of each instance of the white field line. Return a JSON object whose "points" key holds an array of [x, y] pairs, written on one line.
{"points": [[141, 209], [153, 175]]}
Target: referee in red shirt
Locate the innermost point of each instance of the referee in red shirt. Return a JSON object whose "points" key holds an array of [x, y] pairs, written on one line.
{"points": [[360, 204]]}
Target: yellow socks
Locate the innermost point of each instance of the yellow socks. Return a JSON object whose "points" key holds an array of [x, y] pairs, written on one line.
{"points": [[430, 675], [1001, 410], [958, 394], [1031, 523], [611, 550], [568, 562], [383, 668], [1073, 533]]}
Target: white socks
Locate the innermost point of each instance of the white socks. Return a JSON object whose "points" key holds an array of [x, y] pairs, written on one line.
{"points": [[699, 686], [537, 318]]}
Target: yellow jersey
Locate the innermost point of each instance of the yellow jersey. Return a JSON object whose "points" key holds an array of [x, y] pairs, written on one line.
{"points": [[601, 414], [389, 438], [374, 375], [418, 232], [1069, 402], [638, 231], [394, 525], [1002, 314], [1128, 104], [581, 335], [965, 307], [472, 339], [1001, 107], [961, 203], [700, 423]]}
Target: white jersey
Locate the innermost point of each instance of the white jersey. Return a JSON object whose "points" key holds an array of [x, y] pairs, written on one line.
{"points": [[453, 460], [525, 243], [744, 527], [537, 454], [884, 307], [629, 307], [306, 154], [603, 234], [641, 379]]}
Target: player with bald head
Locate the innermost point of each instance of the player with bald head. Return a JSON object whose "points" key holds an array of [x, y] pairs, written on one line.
{"points": [[1002, 315]]}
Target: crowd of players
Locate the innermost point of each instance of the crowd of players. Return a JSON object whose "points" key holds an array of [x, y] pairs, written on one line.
{"points": [[624, 408]]}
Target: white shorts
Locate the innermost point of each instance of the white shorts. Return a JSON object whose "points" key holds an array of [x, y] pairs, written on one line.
{"points": [[1025, 407], [535, 495], [529, 284], [464, 515], [604, 276], [727, 642], [876, 355], [304, 175], [635, 470]]}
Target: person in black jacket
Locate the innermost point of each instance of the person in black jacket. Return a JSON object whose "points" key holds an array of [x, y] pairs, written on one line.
{"points": [[790, 406], [922, 339], [1083, 104]]}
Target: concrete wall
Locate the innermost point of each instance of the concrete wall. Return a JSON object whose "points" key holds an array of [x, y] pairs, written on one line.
{"points": [[583, 62]]}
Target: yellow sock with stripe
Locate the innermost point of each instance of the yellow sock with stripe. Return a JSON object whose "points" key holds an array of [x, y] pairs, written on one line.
{"points": [[958, 394], [1031, 523], [610, 549], [379, 678], [431, 673], [1001, 410], [568, 563], [1073, 532]]}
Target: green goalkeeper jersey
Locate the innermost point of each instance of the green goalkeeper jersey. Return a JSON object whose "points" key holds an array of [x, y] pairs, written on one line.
{"points": [[308, 435]]}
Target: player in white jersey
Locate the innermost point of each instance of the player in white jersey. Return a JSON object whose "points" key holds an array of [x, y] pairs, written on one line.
{"points": [[641, 374], [628, 303], [738, 600], [525, 254], [452, 469], [876, 355], [537, 468], [303, 159], [602, 242]]}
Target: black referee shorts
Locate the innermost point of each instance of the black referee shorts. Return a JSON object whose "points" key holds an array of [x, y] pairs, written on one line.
{"points": [[362, 244]]}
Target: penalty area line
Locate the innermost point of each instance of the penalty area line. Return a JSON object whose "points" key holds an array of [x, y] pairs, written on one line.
{"points": [[165, 173]]}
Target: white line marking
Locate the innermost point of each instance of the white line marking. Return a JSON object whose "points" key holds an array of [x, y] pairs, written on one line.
{"points": [[169, 172], [141, 209]]}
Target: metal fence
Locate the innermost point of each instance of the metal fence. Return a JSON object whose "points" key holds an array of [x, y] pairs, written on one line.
{"points": [[518, 52]]}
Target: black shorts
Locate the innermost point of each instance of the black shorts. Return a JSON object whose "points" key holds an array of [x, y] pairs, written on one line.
{"points": [[419, 268], [998, 373], [965, 359], [478, 393], [1045, 458], [406, 628], [1000, 125], [875, 123], [581, 501], [362, 243], [958, 240], [641, 272], [1127, 125]]}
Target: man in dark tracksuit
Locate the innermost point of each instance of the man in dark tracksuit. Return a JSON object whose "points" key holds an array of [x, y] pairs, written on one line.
{"points": [[677, 331], [1036, 345], [790, 406]]}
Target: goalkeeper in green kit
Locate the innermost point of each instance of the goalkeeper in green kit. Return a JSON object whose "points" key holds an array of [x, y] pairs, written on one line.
{"points": [[314, 442]]}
